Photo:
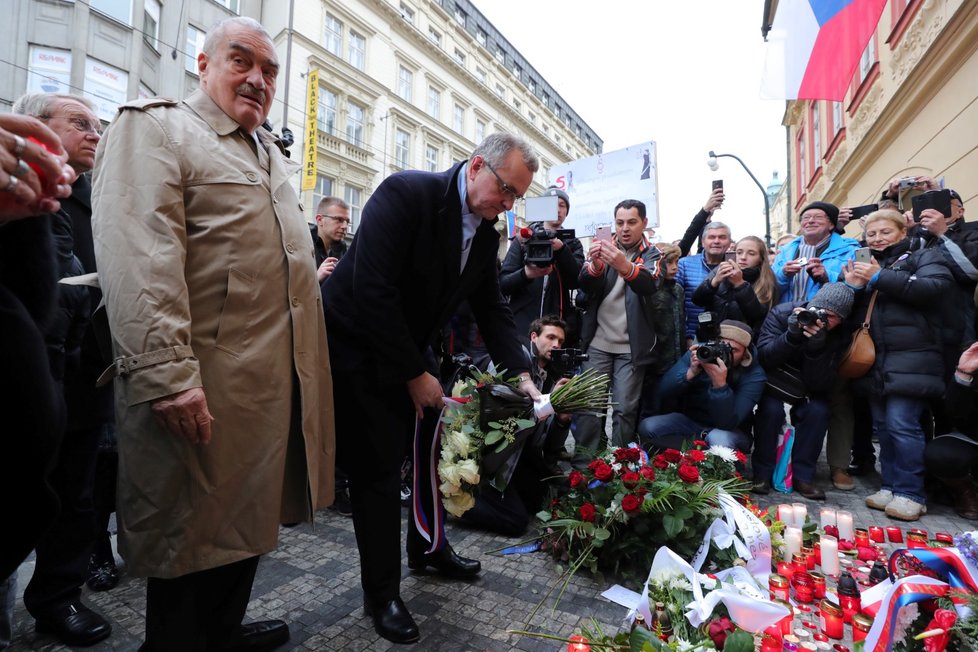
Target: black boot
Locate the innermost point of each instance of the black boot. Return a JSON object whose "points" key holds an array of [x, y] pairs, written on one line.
{"points": [[965, 496]]}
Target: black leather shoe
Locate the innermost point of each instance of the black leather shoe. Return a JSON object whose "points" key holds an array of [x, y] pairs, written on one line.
{"points": [[808, 490], [261, 635], [446, 562], [860, 469], [74, 624], [103, 575], [762, 487], [393, 621]]}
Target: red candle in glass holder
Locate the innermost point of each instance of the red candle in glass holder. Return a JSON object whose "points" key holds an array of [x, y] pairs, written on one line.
{"points": [[818, 584], [770, 644], [894, 534], [876, 534], [786, 569], [917, 538], [861, 624], [817, 550], [820, 637], [799, 563], [785, 623], [830, 619], [809, 554], [944, 537], [578, 644], [862, 537], [804, 587]]}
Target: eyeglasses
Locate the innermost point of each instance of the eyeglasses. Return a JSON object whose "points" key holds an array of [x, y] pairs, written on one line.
{"points": [[814, 218], [81, 124], [336, 218], [504, 187]]}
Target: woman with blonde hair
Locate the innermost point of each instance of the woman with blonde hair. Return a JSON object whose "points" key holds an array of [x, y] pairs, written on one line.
{"points": [[743, 288], [907, 290]]}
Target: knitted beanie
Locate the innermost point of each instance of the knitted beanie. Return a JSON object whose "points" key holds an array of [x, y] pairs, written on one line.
{"points": [[836, 297]]}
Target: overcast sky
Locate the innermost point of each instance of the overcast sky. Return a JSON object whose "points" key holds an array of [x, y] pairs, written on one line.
{"points": [[684, 74]]}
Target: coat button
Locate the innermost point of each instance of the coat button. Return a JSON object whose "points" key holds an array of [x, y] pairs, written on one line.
{"points": [[290, 248], [251, 176], [295, 301]]}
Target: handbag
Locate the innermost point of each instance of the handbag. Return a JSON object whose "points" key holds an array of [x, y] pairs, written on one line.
{"points": [[785, 384], [861, 355]]}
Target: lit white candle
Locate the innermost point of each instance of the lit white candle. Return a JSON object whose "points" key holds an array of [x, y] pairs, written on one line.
{"points": [[786, 514], [830, 555], [826, 517], [792, 542], [844, 520], [801, 514]]}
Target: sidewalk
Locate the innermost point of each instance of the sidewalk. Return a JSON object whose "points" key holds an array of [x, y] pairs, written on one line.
{"points": [[312, 581]]}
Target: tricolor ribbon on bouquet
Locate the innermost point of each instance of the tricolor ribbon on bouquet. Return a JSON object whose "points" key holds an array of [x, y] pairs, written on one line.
{"points": [[905, 591], [747, 605], [430, 527], [960, 572]]}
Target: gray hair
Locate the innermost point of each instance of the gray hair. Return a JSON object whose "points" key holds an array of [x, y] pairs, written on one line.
{"points": [[41, 105], [712, 226], [497, 146], [326, 202], [215, 33]]}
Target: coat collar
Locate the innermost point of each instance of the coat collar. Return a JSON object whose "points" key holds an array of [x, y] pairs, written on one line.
{"points": [[201, 104]]}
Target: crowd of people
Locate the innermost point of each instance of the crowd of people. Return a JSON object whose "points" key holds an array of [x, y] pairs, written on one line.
{"points": [[214, 359]]}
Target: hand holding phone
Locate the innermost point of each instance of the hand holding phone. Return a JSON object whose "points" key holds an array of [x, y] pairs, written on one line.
{"points": [[863, 255], [603, 233]]}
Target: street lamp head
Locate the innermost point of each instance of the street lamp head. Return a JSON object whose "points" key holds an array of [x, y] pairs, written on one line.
{"points": [[712, 161]]}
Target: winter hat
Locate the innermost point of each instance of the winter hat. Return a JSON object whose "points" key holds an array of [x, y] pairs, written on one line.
{"points": [[830, 209], [554, 191], [836, 297], [738, 331]]}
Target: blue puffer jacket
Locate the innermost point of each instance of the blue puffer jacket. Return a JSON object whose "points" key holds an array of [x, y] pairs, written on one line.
{"points": [[838, 252], [693, 270]]}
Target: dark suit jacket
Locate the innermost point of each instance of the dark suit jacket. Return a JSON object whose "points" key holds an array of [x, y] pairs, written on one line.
{"points": [[399, 283]]}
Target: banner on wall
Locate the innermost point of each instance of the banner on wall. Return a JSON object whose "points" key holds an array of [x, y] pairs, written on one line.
{"points": [[312, 128], [596, 184]]}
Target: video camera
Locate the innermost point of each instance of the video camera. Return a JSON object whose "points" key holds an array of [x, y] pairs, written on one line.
{"points": [[808, 317], [711, 348], [540, 246], [565, 361]]}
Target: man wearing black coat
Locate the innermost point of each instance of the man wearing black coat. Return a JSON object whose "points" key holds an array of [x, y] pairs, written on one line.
{"points": [[812, 352], [426, 242]]}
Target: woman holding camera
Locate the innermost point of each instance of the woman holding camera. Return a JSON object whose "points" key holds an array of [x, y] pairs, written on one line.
{"points": [[909, 290], [743, 288]]}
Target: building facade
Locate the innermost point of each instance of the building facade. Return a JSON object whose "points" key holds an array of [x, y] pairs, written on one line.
{"points": [[402, 84], [911, 109]]}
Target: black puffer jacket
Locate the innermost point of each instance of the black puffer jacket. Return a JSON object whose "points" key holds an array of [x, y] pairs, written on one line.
{"points": [[906, 322], [729, 302]]}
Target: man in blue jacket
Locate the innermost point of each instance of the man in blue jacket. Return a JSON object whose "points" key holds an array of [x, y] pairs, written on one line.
{"points": [[693, 270], [814, 258], [710, 397]]}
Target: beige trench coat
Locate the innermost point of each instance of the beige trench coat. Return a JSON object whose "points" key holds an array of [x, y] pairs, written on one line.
{"points": [[207, 268]]}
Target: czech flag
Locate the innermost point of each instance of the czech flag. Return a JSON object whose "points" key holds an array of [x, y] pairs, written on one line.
{"points": [[814, 47]]}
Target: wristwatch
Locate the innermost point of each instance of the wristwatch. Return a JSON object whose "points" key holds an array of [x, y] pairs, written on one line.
{"points": [[522, 378]]}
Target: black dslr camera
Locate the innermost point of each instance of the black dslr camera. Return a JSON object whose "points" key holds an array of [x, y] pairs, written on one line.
{"points": [[808, 316], [711, 348], [540, 246], [565, 361]]}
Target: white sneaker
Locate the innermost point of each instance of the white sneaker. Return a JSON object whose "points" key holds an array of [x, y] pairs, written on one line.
{"points": [[880, 499], [905, 509]]}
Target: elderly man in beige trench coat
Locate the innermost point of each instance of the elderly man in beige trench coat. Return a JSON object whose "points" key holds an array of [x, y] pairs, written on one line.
{"points": [[222, 372]]}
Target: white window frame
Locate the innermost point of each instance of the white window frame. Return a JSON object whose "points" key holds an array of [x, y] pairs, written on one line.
{"points": [[333, 34], [480, 131], [107, 8], [326, 111], [434, 102], [431, 156], [434, 36], [458, 118], [353, 197], [816, 134], [402, 149], [405, 83], [194, 46], [321, 190], [151, 11], [356, 49], [407, 13], [356, 117], [459, 57]]}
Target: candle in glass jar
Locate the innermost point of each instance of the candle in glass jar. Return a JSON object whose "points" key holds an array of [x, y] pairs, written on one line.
{"points": [[916, 538], [804, 587], [809, 554], [844, 521], [785, 569], [578, 644], [792, 542], [876, 534], [944, 537], [786, 622], [801, 514], [830, 619], [894, 534], [786, 514], [861, 624], [826, 517], [818, 582], [862, 537], [770, 644], [830, 554], [778, 586]]}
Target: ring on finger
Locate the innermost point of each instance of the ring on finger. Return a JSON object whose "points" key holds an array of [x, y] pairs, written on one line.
{"points": [[12, 185], [19, 145], [22, 168]]}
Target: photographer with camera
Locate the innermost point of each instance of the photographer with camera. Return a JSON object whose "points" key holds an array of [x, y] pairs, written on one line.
{"points": [[800, 347], [715, 386], [541, 285], [814, 258], [515, 480], [618, 331]]}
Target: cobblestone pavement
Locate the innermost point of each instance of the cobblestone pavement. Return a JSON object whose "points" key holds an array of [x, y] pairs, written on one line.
{"points": [[312, 582]]}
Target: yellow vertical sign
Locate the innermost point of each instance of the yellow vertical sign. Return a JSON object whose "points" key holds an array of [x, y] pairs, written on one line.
{"points": [[312, 107]]}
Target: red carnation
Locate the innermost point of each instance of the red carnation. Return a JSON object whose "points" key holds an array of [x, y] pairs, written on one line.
{"points": [[587, 512], [603, 472], [719, 629], [846, 545], [700, 443], [832, 531], [593, 464], [865, 553], [660, 462], [576, 478], [631, 503], [672, 456], [740, 456], [695, 455], [648, 473], [631, 479], [621, 454], [633, 454], [688, 473]]}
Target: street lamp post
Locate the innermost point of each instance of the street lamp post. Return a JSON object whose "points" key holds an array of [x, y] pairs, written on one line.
{"points": [[712, 162]]}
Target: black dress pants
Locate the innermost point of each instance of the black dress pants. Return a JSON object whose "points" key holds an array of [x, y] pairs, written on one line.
{"points": [[199, 612]]}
